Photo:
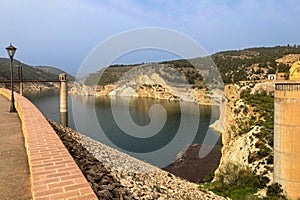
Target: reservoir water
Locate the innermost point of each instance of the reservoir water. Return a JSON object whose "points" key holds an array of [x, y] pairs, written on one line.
{"points": [[149, 129]]}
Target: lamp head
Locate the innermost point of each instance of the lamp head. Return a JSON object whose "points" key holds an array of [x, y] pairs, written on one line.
{"points": [[11, 51]]}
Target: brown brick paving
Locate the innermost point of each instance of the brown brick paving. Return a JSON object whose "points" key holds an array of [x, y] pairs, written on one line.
{"points": [[14, 169], [54, 173]]}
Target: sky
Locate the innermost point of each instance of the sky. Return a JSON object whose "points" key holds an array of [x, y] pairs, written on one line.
{"points": [[62, 33]]}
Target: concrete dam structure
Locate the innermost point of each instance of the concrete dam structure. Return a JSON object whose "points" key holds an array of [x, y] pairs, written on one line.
{"points": [[287, 137]]}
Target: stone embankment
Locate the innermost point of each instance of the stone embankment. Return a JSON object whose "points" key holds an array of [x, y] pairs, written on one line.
{"points": [[116, 175]]}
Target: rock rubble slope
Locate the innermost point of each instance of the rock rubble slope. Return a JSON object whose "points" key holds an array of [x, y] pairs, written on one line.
{"points": [[115, 175]]}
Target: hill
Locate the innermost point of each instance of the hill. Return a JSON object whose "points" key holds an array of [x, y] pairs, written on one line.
{"points": [[234, 66], [54, 70], [29, 72], [253, 63]]}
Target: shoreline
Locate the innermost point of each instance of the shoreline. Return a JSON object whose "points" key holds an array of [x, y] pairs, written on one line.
{"points": [[126, 176], [200, 104], [200, 97]]}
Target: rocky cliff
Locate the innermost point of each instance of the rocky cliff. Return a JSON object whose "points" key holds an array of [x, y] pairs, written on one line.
{"points": [[244, 135]]}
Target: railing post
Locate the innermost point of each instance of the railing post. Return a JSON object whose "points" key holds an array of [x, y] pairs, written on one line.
{"points": [[21, 79], [63, 107]]}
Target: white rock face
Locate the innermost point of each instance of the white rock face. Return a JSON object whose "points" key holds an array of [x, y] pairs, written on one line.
{"points": [[124, 92], [268, 87], [155, 81], [219, 125]]}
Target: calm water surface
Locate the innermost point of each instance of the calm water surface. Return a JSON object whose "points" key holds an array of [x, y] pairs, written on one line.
{"points": [[94, 117]]}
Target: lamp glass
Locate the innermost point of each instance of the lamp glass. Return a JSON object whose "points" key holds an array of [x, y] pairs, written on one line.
{"points": [[11, 50]]}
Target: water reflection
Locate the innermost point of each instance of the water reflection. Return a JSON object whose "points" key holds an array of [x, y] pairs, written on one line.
{"points": [[139, 111], [95, 111]]}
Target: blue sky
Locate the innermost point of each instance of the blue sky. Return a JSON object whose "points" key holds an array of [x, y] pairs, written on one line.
{"points": [[62, 33]]}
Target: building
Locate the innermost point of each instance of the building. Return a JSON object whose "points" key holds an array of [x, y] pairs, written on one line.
{"points": [[295, 71], [272, 77]]}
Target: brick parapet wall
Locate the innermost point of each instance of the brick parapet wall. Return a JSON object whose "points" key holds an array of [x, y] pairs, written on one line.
{"points": [[54, 173]]}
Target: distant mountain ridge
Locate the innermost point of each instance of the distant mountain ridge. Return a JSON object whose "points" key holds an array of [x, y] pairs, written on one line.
{"points": [[53, 70], [29, 72], [234, 65]]}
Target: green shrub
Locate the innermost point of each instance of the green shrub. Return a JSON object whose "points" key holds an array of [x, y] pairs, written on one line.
{"points": [[237, 182], [210, 176], [262, 152], [244, 125], [275, 190], [270, 159]]}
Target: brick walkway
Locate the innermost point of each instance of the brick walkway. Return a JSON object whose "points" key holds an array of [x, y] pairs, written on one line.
{"points": [[54, 173], [14, 170]]}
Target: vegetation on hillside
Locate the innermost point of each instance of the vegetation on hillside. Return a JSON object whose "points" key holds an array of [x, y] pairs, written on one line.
{"points": [[55, 70], [109, 75], [263, 104], [29, 72], [234, 66], [252, 63], [237, 182], [241, 182]]}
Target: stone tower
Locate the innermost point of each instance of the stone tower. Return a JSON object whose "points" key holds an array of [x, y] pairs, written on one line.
{"points": [[63, 96], [287, 137]]}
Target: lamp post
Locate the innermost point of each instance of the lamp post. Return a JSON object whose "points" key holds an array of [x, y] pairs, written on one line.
{"points": [[11, 52]]}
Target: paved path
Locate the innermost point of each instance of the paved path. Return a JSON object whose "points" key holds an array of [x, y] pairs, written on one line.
{"points": [[14, 170]]}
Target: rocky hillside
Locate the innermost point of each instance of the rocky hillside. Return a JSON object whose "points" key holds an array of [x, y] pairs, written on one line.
{"points": [[155, 80], [255, 63], [245, 124], [247, 137], [179, 79], [234, 66]]}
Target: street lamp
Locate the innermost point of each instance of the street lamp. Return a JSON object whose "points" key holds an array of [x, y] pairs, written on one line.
{"points": [[11, 52]]}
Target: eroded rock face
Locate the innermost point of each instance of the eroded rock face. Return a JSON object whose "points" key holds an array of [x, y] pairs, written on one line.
{"points": [[154, 81], [81, 89], [268, 87], [160, 81], [239, 146]]}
